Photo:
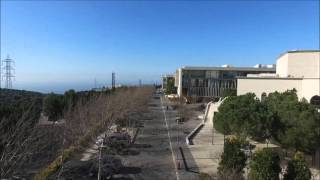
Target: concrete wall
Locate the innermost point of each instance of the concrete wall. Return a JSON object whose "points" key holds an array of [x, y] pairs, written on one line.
{"points": [[310, 88], [303, 70], [282, 66], [176, 77], [261, 85], [178, 82], [302, 64]]}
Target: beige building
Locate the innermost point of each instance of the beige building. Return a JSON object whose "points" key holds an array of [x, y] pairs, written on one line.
{"points": [[294, 69]]}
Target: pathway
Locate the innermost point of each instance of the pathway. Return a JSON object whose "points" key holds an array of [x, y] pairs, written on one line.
{"points": [[208, 145]]}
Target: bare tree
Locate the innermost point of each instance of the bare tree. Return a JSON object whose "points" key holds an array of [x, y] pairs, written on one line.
{"points": [[23, 142], [83, 122], [94, 116], [183, 111]]}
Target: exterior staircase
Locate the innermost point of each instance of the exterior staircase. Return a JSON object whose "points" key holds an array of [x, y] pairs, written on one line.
{"points": [[204, 136]]}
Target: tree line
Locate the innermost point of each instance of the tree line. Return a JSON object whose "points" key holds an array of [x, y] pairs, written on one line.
{"points": [[279, 117], [55, 105]]}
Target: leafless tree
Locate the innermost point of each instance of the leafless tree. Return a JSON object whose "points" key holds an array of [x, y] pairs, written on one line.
{"points": [[83, 122], [95, 116], [23, 142], [182, 108]]}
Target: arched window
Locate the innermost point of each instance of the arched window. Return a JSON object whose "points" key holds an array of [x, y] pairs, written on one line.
{"points": [[315, 100]]}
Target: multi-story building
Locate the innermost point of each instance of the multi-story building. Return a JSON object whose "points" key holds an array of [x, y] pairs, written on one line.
{"points": [[298, 70], [212, 81]]}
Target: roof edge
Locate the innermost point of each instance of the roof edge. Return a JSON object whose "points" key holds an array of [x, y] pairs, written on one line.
{"points": [[298, 51], [264, 78]]}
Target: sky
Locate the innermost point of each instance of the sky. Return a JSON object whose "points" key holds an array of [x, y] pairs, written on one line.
{"points": [[66, 44]]}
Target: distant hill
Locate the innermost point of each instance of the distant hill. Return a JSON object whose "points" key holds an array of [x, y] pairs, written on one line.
{"points": [[13, 103], [10, 97]]}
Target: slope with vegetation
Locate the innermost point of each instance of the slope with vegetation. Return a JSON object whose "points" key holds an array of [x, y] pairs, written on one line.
{"points": [[27, 146], [92, 116], [19, 113]]}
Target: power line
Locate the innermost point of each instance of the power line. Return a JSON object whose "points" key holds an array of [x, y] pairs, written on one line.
{"points": [[8, 72]]}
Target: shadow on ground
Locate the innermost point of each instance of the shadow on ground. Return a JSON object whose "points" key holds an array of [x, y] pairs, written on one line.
{"points": [[130, 170]]}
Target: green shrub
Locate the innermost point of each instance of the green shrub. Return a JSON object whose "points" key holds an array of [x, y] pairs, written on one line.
{"points": [[280, 117], [241, 115], [232, 159], [229, 92], [297, 169], [171, 89], [265, 165], [53, 106]]}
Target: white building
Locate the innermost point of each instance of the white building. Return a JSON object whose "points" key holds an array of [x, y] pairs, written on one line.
{"points": [[294, 69]]}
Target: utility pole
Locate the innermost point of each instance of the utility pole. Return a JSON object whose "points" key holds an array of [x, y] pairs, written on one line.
{"points": [[8, 73], [113, 83]]}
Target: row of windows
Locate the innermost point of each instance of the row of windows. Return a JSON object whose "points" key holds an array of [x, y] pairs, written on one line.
{"points": [[209, 83], [205, 91], [215, 74]]}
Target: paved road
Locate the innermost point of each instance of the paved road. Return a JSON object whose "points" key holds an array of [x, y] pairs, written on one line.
{"points": [[202, 157], [158, 147], [178, 133], [154, 156]]}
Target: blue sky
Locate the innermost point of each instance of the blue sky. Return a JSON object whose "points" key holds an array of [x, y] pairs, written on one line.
{"points": [[58, 45]]}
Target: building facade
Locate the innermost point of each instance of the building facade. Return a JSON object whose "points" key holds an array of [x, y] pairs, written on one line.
{"points": [[212, 81], [295, 69]]}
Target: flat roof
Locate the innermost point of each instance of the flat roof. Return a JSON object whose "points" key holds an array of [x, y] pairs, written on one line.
{"points": [[229, 68], [287, 78], [299, 51]]}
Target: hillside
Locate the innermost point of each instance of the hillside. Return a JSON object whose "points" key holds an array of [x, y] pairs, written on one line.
{"points": [[13, 103], [12, 97]]}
